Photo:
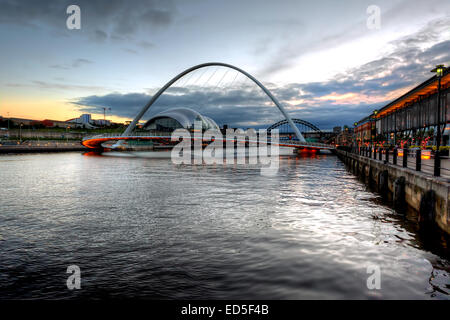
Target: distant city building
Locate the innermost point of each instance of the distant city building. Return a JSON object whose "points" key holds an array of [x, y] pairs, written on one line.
{"points": [[86, 121], [344, 138], [85, 118], [101, 123], [18, 121], [364, 131], [52, 123], [337, 130]]}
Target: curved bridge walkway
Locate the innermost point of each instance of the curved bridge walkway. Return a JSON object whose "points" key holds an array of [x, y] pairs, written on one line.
{"points": [[95, 142]]}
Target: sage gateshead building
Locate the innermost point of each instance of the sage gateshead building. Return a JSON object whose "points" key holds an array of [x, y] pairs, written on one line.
{"points": [[411, 119], [172, 119]]}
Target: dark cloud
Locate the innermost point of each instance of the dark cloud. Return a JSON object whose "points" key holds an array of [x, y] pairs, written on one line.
{"points": [[326, 116], [146, 44], [101, 19], [226, 106], [124, 105], [74, 64], [100, 36], [130, 51], [237, 108], [55, 86], [59, 66], [79, 62], [288, 53]]}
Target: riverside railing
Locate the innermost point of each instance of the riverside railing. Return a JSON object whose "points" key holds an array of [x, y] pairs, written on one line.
{"points": [[413, 158], [165, 136], [117, 134]]}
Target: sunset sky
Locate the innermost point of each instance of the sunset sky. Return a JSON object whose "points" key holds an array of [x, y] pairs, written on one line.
{"points": [[318, 57]]}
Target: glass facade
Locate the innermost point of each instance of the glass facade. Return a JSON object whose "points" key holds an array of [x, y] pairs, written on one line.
{"points": [[170, 120], [163, 124], [418, 115]]}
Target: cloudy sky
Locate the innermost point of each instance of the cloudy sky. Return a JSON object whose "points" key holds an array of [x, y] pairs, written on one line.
{"points": [[318, 57]]}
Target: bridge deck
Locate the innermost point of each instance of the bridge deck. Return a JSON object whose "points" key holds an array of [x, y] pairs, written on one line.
{"points": [[94, 142]]}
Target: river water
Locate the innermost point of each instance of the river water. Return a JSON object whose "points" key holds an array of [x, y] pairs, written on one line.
{"points": [[147, 228]]}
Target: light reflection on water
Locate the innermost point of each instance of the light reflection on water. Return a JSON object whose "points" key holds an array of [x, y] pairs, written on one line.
{"points": [[148, 228]]}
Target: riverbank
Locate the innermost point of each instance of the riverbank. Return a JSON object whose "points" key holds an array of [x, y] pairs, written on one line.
{"points": [[405, 188], [39, 146]]}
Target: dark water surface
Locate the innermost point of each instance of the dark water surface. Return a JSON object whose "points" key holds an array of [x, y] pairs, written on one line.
{"points": [[147, 228]]}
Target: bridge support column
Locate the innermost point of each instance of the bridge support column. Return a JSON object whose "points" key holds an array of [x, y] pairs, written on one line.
{"points": [[383, 177], [399, 193]]}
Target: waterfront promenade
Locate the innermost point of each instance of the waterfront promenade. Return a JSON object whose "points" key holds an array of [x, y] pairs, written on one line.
{"points": [[426, 163], [40, 146], [406, 187]]}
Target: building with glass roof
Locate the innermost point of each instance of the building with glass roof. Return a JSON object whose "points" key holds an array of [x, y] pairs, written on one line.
{"points": [[169, 120]]}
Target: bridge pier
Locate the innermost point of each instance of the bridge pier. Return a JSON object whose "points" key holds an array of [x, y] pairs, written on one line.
{"points": [[383, 178], [398, 198]]}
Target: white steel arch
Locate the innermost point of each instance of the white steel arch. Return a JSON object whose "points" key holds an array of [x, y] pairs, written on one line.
{"points": [[138, 117]]}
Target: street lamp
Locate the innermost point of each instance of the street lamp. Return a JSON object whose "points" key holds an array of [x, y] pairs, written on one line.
{"points": [[67, 133], [375, 112], [355, 134], [439, 70], [104, 114], [20, 132]]}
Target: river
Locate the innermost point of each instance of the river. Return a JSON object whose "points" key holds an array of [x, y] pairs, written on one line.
{"points": [[146, 228]]}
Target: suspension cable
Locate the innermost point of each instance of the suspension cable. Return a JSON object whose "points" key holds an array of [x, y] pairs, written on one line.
{"points": [[221, 78], [201, 75], [212, 75], [237, 73], [187, 79]]}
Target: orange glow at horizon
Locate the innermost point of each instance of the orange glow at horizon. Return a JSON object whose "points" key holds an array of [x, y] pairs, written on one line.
{"points": [[48, 109], [338, 97]]}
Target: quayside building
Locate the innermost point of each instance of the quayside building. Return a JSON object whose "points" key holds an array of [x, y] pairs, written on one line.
{"points": [[411, 119]]}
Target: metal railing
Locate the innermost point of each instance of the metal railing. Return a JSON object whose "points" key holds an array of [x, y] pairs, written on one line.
{"points": [[318, 144], [117, 135], [146, 134], [414, 158]]}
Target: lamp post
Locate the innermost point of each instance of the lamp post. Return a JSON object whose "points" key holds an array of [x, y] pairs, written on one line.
{"points": [[439, 70], [355, 134], [395, 128], [104, 113], [375, 112], [20, 132], [67, 133]]}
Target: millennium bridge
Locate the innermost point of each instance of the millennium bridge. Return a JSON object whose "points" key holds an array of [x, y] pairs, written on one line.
{"points": [[95, 142], [129, 134]]}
